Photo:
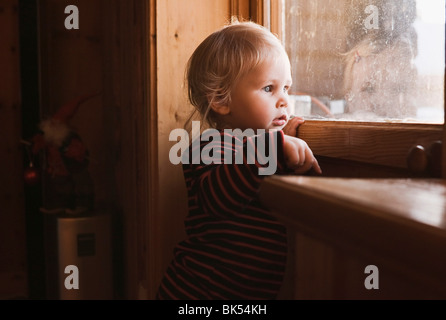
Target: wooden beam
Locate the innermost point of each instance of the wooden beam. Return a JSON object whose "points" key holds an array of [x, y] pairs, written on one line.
{"points": [[240, 9], [276, 18], [256, 11]]}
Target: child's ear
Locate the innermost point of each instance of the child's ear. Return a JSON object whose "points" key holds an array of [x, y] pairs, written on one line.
{"points": [[219, 107]]}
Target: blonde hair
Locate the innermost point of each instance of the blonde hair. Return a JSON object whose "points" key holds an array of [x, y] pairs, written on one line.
{"points": [[220, 60]]}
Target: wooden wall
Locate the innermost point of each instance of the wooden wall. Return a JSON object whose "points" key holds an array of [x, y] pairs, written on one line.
{"points": [[71, 66], [181, 26], [135, 52], [13, 268], [129, 83], [146, 46]]}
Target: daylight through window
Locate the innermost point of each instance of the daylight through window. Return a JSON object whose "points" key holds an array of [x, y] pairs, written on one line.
{"points": [[367, 60]]}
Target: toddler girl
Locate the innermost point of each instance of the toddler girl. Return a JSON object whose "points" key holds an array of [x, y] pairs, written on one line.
{"points": [[237, 78]]}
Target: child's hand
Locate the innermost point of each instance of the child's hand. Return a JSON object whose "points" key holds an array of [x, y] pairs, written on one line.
{"points": [[298, 156], [292, 125]]}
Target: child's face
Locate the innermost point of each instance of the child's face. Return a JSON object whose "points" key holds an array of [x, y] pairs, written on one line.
{"points": [[259, 100]]}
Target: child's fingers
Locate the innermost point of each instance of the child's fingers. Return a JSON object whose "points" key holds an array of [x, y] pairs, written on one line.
{"points": [[296, 153], [299, 156], [305, 168], [307, 165], [302, 155], [316, 167], [300, 119], [292, 157], [296, 121], [292, 125], [292, 152], [307, 160]]}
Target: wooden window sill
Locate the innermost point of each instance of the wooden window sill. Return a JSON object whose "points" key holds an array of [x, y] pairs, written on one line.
{"points": [[378, 143], [395, 223]]}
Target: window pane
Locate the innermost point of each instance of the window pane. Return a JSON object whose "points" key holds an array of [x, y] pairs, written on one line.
{"points": [[368, 60]]}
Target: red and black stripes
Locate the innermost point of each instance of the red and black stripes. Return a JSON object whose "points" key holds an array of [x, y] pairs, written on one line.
{"points": [[234, 248]]}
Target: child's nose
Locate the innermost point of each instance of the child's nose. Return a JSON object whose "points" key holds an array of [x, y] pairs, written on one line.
{"points": [[282, 102]]}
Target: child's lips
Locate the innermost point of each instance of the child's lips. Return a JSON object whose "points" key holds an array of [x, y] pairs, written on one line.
{"points": [[280, 121]]}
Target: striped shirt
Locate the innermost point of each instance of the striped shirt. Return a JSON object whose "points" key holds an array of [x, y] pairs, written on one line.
{"points": [[234, 248]]}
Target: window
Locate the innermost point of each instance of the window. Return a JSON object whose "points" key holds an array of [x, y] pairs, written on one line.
{"points": [[366, 60], [368, 77]]}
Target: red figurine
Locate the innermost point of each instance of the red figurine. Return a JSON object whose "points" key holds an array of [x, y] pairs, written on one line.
{"points": [[68, 185]]}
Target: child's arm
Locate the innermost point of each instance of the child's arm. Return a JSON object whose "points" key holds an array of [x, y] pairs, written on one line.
{"points": [[226, 188]]}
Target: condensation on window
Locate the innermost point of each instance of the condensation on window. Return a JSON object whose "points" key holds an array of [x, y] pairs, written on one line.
{"points": [[367, 60]]}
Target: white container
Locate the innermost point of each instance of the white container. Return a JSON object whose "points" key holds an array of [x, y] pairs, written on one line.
{"points": [[85, 243], [300, 105]]}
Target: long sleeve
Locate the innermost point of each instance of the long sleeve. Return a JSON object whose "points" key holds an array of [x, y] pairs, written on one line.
{"points": [[223, 188]]}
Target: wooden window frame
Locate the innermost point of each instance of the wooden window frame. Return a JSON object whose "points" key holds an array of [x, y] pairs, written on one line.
{"points": [[376, 143]]}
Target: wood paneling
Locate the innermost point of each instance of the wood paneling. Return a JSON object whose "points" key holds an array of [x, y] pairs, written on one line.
{"points": [[130, 121], [239, 9], [77, 62], [444, 136], [181, 26], [71, 66], [276, 18], [13, 270]]}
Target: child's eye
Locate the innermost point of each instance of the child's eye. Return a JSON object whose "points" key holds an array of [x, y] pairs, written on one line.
{"points": [[286, 88], [268, 88]]}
